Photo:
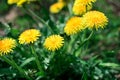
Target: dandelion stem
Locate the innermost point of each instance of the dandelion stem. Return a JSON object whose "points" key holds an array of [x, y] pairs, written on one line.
{"points": [[8, 28], [69, 8], [13, 64], [52, 55], [38, 17], [37, 60], [76, 52], [71, 44]]}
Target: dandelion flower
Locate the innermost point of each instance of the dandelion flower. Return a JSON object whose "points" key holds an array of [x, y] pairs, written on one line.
{"points": [[95, 19], [54, 42], [73, 25], [63, 0], [57, 7], [82, 6], [79, 9], [12, 1], [29, 36], [60, 0], [86, 2], [7, 45], [19, 2]]}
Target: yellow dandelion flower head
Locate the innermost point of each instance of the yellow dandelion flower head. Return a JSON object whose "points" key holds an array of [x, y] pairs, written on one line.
{"points": [[85, 2], [7, 45], [57, 7], [63, 0], [12, 1], [60, 0], [29, 36], [54, 42], [79, 9], [95, 19], [81, 6], [19, 2], [73, 25]]}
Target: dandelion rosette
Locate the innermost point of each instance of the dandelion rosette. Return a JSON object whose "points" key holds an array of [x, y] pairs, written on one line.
{"points": [[54, 42], [7, 45], [29, 36], [82, 6], [57, 7], [73, 25], [95, 19]]}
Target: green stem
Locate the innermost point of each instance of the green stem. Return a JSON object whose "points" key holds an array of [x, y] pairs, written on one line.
{"points": [[52, 55], [77, 52], [69, 9], [37, 60], [71, 44], [39, 18], [89, 36], [7, 26], [34, 18], [13, 64]]}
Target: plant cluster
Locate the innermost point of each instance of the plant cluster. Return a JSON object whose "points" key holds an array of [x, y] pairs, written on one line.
{"points": [[58, 53]]}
